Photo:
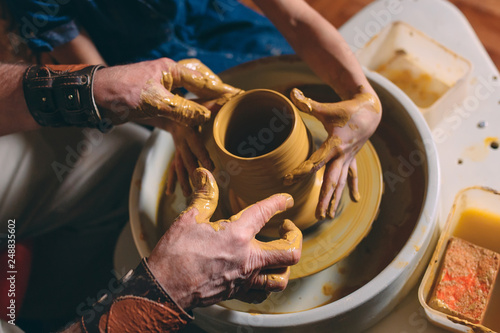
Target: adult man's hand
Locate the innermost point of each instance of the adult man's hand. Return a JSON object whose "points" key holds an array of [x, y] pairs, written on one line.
{"points": [[199, 262], [142, 91]]}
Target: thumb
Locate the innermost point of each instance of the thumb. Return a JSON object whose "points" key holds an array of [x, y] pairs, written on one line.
{"points": [[206, 194], [257, 215], [335, 114]]}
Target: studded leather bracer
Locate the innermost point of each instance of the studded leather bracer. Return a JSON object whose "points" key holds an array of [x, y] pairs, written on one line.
{"points": [[139, 304], [62, 95]]}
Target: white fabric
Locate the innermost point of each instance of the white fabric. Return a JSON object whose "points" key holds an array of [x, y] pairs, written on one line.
{"points": [[5, 327], [59, 176], [65, 177]]}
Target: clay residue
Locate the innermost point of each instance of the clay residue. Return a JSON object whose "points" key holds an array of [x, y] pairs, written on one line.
{"points": [[291, 239], [491, 140], [405, 71], [366, 100], [337, 293], [328, 289], [156, 101], [205, 83], [277, 281], [353, 127], [339, 114], [315, 162], [220, 224], [336, 114], [480, 151], [353, 175], [205, 198], [206, 194]]}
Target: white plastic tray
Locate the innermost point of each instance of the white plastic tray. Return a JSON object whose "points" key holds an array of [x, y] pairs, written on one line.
{"points": [[464, 144]]}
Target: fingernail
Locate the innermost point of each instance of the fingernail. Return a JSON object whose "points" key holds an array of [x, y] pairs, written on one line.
{"points": [[289, 201], [356, 196], [321, 214]]}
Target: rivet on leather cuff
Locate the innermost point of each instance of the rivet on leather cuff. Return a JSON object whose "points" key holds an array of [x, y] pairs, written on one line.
{"points": [[62, 95]]}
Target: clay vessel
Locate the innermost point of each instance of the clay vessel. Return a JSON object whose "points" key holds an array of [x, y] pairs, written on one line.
{"points": [[259, 137]]}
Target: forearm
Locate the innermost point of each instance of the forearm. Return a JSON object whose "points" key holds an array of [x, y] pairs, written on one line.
{"points": [[14, 114], [317, 42]]}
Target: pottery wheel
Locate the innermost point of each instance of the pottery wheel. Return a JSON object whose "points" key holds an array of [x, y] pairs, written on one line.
{"points": [[329, 240]]}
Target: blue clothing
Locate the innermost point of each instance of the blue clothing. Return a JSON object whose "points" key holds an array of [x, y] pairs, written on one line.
{"points": [[221, 33]]}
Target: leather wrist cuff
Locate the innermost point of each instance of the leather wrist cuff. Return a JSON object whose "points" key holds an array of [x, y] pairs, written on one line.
{"points": [[62, 95], [140, 305]]}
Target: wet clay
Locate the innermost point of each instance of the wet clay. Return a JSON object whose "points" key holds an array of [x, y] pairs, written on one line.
{"points": [[336, 114], [195, 77], [315, 162], [404, 70], [155, 101], [291, 239], [277, 281], [206, 85], [262, 133], [353, 174], [205, 199]]}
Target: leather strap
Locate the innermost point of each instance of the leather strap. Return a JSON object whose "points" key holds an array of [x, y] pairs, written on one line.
{"points": [[142, 305], [62, 95]]}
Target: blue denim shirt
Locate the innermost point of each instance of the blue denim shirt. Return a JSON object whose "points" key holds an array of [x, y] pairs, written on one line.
{"points": [[221, 33]]}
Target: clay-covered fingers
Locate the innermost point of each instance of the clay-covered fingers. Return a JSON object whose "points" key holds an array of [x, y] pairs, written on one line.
{"points": [[192, 150], [255, 216], [284, 251], [159, 101], [353, 181], [335, 114], [197, 148], [337, 173], [196, 77], [190, 153], [335, 200], [328, 187], [332, 114], [272, 280], [206, 194], [328, 150]]}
